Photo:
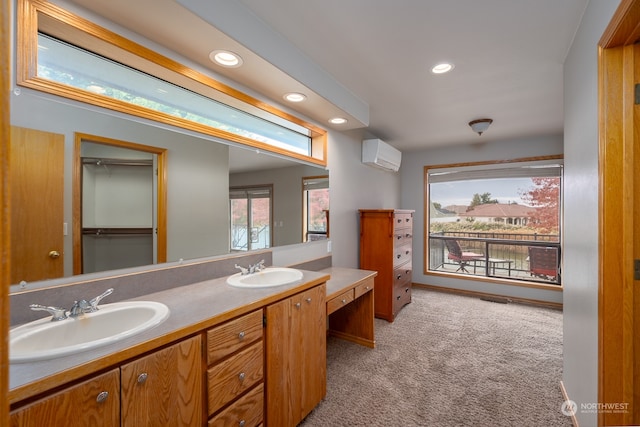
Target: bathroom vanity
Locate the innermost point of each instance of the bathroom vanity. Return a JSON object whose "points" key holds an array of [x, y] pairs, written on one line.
{"points": [[224, 356]]}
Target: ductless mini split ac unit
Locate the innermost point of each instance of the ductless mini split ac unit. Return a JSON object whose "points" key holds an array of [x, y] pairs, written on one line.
{"points": [[378, 153]]}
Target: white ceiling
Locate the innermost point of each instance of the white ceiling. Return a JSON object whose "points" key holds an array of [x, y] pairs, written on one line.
{"points": [[370, 60]]}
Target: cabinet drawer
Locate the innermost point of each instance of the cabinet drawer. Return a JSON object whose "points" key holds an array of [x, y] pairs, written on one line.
{"points": [[232, 377], [363, 288], [402, 274], [246, 411], [402, 220], [401, 296], [231, 336], [340, 301], [401, 255]]}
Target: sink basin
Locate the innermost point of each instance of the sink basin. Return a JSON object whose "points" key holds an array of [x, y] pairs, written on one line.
{"points": [[43, 339], [266, 278]]}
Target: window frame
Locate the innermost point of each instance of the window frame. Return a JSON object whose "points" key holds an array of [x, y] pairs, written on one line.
{"points": [[491, 164], [306, 210], [250, 192]]}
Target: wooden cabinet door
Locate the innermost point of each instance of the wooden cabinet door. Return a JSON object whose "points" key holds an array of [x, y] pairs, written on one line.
{"points": [[95, 402], [164, 388], [295, 356], [311, 353]]}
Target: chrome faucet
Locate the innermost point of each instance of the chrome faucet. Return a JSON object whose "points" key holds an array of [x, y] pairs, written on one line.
{"points": [[251, 269], [256, 267], [78, 307], [91, 306]]}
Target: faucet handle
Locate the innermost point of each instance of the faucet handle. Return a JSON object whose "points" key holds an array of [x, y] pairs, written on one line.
{"points": [[243, 271], [56, 313], [95, 301]]}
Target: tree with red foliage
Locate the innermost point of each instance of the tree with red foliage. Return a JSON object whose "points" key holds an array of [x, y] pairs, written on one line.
{"points": [[545, 197]]}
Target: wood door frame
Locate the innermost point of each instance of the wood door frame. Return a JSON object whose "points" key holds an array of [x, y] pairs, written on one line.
{"points": [[161, 201], [5, 229], [618, 368]]}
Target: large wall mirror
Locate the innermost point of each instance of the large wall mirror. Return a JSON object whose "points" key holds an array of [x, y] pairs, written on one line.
{"points": [[200, 165], [199, 174]]}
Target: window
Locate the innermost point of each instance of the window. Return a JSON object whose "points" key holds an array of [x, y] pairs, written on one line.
{"points": [[250, 213], [69, 65], [65, 55], [316, 208], [498, 220]]}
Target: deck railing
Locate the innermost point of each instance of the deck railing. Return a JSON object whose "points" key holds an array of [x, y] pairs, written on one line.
{"points": [[529, 257]]}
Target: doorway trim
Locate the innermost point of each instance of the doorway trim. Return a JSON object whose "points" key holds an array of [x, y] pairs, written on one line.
{"points": [[618, 365], [161, 203]]}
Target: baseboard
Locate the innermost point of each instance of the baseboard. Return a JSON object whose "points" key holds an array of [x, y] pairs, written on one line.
{"points": [[574, 420], [485, 295]]}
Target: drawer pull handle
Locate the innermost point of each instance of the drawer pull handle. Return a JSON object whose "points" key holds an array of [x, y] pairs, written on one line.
{"points": [[297, 305], [406, 290], [102, 396], [308, 300], [399, 276], [142, 378], [242, 423], [399, 236], [398, 256], [398, 297], [344, 301], [407, 252], [367, 288], [408, 219], [241, 336], [242, 376]]}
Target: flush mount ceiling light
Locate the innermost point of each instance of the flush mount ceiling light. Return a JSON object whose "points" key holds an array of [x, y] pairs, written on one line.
{"points": [[442, 68], [226, 58], [295, 97], [338, 120], [480, 125]]}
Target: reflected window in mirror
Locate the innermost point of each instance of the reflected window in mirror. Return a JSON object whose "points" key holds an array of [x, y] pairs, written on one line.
{"points": [[315, 194], [250, 213], [66, 55]]}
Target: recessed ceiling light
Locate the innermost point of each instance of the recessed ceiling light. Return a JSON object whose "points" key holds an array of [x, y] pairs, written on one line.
{"points": [[295, 97], [338, 120], [226, 58], [442, 68]]}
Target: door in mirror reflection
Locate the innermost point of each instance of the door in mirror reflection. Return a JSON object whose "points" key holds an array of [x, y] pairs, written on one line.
{"points": [[117, 225], [251, 209], [36, 171]]}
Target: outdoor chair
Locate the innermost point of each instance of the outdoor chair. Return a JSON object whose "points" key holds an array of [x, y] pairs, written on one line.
{"points": [[461, 257], [543, 262]]}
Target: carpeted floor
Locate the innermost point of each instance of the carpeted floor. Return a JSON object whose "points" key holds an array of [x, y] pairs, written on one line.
{"points": [[449, 361]]}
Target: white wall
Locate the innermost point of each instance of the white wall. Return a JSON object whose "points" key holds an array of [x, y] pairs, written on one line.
{"points": [[580, 372], [412, 197], [355, 186]]}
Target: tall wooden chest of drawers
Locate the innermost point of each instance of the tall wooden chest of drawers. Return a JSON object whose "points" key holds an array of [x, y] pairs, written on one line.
{"points": [[385, 246]]}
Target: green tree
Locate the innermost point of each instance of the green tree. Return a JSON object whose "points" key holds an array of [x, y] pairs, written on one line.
{"points": [[481, 199]]}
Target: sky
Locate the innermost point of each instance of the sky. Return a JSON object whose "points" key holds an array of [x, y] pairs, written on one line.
{"points": [[461, 192]]}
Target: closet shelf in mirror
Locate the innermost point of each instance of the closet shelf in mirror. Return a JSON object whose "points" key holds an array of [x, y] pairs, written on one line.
{"points": [[116, 231], [116, 162]]}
